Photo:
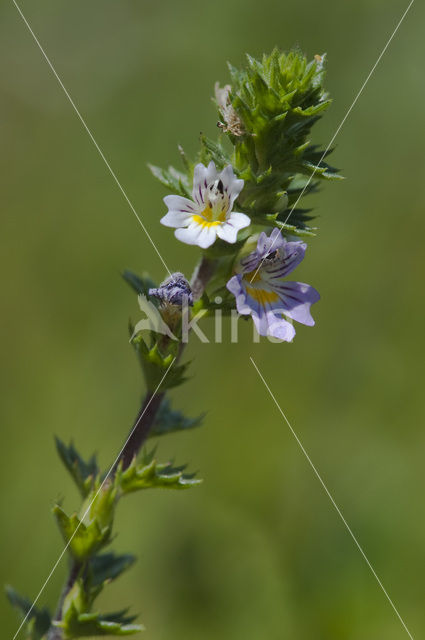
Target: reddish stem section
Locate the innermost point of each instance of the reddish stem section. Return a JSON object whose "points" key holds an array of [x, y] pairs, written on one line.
{"points": [[141, 428]]}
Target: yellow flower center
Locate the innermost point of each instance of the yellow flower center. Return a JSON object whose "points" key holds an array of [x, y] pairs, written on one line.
{"points": [[262, 296], [208, 218], [205, 223], [252, 276]]}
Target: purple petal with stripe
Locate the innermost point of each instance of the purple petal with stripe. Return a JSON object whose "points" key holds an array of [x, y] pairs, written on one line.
{"points": [[297, 299]]}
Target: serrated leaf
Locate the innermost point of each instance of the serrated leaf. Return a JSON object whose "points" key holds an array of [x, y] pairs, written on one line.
{"points": [[323, 171], [173, 180], [169, 420], [119, 616], [83, 473], [108, 566], [150, 474], [213, 151], [80, 625], [39, 620], [155, 365], [84, 540], [291, 230], [279, 98], [94, 624]]}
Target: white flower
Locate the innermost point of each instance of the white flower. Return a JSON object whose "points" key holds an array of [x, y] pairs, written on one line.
{"points": [[209, 215]]}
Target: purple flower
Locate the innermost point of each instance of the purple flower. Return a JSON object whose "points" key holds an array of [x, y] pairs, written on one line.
{"points": [[260, 288], [209, 214]]}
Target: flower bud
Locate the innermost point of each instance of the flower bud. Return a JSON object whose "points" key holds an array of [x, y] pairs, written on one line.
{"points": [[175, 291]]}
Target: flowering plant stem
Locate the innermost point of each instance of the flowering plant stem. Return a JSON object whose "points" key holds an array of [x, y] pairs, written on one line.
{"points": [[54, 633], [149, 409], [137, 436]]}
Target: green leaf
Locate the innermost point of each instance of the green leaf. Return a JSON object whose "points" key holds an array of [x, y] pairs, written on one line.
{"points": [[155, 365], [323, 171], [278, 98], [169, 420], [83, 473], [95, 625], [108, 566], [140, 284], [84, 540], [172, 179], [39, 620], [300, 229], [292, 230], [214, 151], [119, 616], [79, 625], [150, 473]]}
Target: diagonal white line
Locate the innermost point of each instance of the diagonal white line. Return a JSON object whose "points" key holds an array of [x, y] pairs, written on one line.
{"points": [[341, 124], [319, 477], [83, 122], [91, 503]]}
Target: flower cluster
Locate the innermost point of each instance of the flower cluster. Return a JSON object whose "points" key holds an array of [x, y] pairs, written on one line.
{"points": [[259, 286]]}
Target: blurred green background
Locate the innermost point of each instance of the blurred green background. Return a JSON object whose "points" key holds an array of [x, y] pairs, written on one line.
{"points": [[258, 551]]}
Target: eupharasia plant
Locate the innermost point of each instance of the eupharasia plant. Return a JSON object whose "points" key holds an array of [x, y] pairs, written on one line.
{"points": [[239, 202]]}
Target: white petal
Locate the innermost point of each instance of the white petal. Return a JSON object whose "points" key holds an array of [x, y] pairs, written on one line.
{"points": [[202, 178], [280, 328], [212, 174], [189, 235], [178, 203], [239, 220], [198, 234], [176, 219], [199, 181], [207, 237], [227, 232], [231, 184]]}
